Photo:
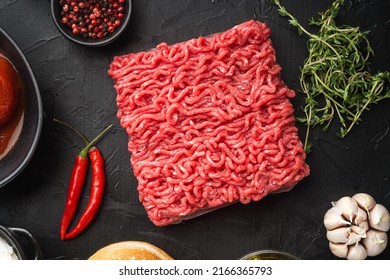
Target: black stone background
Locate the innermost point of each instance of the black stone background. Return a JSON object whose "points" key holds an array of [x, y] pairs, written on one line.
{"points": [[75, 87]]}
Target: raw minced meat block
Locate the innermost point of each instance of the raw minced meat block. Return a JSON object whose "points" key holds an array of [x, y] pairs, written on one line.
{"points": [[210, 123]]}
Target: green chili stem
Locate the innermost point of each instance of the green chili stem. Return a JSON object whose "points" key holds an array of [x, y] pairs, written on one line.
{"points": [[74, 130], [84, 151]]}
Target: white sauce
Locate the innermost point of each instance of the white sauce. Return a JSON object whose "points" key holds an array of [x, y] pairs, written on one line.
{"points": [[6, 251]]}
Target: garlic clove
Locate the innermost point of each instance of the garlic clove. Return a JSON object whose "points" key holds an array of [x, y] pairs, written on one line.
{"points": [[348, 207], [361, 216], [353, 238], [365, 201], [338, 235], [379, 218], [375, 242], [359, 231], [333, 219], [339, 250], [356, 252], [364, 226]]}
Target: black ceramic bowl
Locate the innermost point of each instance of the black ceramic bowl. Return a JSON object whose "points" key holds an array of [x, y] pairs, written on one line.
{"points": [[12, 236], [65, 30], [18, 157], [269, 255]]}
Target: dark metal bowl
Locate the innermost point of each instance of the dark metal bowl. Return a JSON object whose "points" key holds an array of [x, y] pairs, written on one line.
{"points": [[19, 156], [56, 15]]}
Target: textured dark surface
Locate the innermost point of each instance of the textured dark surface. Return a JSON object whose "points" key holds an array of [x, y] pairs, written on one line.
{"points": [[75, 87]]}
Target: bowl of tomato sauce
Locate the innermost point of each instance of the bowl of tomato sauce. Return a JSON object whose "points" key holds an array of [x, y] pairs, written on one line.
{"points": [[21, 110]]}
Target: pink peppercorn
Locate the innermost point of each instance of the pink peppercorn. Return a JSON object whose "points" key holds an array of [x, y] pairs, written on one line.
{"points": [[91, 18], [65, 8], [76, 31]]}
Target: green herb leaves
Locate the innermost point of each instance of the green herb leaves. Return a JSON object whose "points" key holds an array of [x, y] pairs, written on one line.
{"points": [[334, 76]]}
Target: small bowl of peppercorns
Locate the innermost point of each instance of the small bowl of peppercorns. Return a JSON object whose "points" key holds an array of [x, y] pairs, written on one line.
{"points": [[91, 22]]}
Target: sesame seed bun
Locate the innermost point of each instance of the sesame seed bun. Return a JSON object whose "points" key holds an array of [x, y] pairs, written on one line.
{"points": [[130, 250]]}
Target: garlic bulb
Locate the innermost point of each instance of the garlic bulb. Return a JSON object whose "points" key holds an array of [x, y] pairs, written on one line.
{"points": [[356, 227]]}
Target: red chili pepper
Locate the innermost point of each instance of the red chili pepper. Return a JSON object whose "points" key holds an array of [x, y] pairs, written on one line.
{"points": [[77, 180], [76, 184], [96, 196]]}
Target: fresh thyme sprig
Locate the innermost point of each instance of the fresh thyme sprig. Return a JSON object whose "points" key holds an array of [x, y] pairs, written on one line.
{"points": [[334, 76]]}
